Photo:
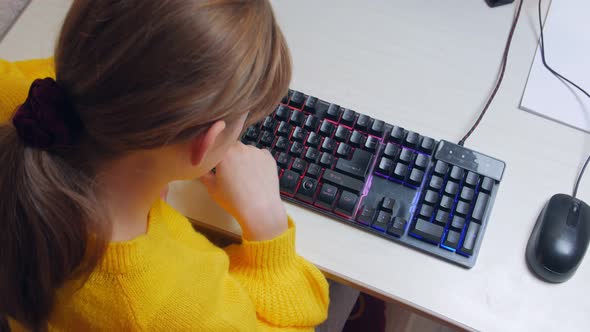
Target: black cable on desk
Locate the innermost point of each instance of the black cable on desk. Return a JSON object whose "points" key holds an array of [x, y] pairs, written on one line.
{"points": [[558, 75], [500, 75]]}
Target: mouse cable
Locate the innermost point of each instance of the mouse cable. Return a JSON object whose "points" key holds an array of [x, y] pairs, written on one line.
{"points": [[542, 48], [558, 75], [500, 75], [580, 177]]}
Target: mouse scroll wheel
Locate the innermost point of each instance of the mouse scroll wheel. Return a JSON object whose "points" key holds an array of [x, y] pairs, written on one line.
{"points": [[575, 207]]}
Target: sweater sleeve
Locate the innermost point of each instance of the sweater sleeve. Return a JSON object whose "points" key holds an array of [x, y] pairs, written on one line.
{"points": [[287, 291], [15, 80]]}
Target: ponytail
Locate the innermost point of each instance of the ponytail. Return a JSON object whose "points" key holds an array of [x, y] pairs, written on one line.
{"points": [[50, 228]]}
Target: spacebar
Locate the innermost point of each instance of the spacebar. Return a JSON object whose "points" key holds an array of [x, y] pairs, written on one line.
{"points": [[342, 181]]}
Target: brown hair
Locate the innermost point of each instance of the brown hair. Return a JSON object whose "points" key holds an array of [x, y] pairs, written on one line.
{"points": [[140, 75]]}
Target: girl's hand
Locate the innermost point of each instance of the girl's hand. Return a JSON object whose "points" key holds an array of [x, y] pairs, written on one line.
{"points": [[245, 184]]}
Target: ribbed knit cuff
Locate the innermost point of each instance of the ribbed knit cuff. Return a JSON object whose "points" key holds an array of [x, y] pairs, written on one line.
{"points": [[269, 254]]}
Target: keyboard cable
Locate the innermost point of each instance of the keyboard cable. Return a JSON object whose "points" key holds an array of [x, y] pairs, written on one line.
{"points": [[501, 76]]}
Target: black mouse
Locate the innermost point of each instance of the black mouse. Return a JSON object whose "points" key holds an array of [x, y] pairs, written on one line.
{"points": [[560, 238]]}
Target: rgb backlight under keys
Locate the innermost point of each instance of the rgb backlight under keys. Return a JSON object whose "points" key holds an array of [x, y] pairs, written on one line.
{"points": [[431, 195]]}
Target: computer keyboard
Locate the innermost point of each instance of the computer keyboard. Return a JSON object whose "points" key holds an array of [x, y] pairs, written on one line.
{"points": [[431, 195]]}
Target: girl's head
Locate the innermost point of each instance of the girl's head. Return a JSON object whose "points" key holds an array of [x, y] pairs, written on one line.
{"points": [[141, 76]]}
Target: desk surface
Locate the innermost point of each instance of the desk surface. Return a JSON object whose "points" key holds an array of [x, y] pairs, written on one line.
{"points": [[428, 66]]}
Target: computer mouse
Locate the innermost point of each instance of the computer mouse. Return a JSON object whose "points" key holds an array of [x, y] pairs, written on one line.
{"points": [[559, 239]]}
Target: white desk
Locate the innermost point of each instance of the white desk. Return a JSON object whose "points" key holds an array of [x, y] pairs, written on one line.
{"points": [[428, 66]]}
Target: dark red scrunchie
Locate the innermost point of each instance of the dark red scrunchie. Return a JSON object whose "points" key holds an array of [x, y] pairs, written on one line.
{"points": [[46, 120]]}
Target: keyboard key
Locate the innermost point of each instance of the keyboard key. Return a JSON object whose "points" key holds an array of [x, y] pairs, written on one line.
{"points": [[357, 166], [426, 211], [412, 139], [284, 129], [327, 128], [371, 144], [346, 203], [343, 150], [441, 218], [391, 150], [310, 104], [427, 231], [267, 138], [286, 97], [282, 113], [283, 160], [363, 122], [397, 134], [452, 239], [312, 155], [387, 204], [471, 179], [397, 227], [462, 208], [480, 206], [326, 160], [342, 181], [427, 145], [421, 161], [451, 188], [377, 128], [298, 134], [342, 134], [269, 124], [306, 189], [382, 221], [486, 185], [441, 168], [252, 133], [385, 166], [334, 112], [400, 171], [321, 107], [297, 99], [281, 144], [348, 117], [357, 139], [466, 194], [313, 171], [457, 173], [312, 123], [299, 165], [288, 182], [446, 203], [431, 197], [313, 140], [436, 182], [327, 196], [296, 149], [406, 156], [328, 145], [366, 215], [416, 177], [470, 237], [458, 223], [297, 118]]}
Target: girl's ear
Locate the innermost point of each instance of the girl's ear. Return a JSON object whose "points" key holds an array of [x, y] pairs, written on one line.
{"points": [[202, 144]]}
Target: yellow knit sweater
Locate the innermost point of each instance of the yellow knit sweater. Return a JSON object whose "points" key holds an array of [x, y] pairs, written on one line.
{"points": [[173, 279]]}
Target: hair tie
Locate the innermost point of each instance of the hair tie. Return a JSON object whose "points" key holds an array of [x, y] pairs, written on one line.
{"points": [[46, 120]]}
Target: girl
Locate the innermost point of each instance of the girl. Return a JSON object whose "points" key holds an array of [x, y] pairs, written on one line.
{"points": [[147, 92]]}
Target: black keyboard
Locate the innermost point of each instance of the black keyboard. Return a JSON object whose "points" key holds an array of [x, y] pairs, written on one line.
{"points": [[432, 195]]}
